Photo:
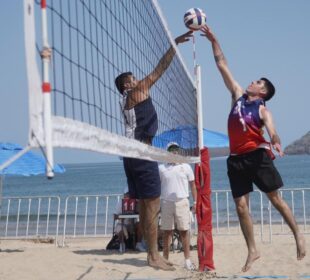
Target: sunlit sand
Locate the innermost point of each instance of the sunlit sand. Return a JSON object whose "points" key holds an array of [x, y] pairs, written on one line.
{"points": [[88, 259]]}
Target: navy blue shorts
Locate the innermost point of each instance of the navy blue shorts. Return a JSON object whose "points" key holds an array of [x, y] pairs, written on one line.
{"points": [[142, 178], [254, 167]]}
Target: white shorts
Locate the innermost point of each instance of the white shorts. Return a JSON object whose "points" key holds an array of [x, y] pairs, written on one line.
{"points": [[175, 213]]}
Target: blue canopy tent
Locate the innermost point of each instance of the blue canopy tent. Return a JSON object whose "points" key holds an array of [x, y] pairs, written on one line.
{"points": [[186, 137], [23, 163], [214, 139]]}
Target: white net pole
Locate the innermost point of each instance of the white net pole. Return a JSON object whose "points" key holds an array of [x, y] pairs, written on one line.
{"points": [[194, 57], [46, 89], [199, 107], [35, 96]]}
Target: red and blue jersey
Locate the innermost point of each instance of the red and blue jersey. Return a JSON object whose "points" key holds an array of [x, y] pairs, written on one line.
{"points": [[245, 127]]}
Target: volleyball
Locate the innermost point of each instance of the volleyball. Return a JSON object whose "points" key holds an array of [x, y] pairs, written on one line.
{"points": [[194, 19]]}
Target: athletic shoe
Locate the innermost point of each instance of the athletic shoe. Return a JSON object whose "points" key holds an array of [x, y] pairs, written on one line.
{"points": [[188, 265]]}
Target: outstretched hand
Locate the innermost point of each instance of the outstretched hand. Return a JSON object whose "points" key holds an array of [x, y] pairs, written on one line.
{"points": [[184, 37], [207, 32]]}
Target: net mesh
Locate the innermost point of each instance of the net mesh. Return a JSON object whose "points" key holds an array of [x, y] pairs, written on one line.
{"points": [[92, 42]]}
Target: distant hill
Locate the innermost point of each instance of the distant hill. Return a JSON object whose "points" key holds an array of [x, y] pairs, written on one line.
{"points": [[300, 146]]}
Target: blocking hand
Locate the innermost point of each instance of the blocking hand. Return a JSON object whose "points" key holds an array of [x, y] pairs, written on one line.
{"points": [[184, 37]]}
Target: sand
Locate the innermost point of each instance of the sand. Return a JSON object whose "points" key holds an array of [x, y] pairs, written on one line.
{"points": [[85, 259]]}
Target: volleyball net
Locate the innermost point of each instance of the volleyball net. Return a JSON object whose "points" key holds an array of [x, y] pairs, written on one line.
{"points": [[73, 100]]}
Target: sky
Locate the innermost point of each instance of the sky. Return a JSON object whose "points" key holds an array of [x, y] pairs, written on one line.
{"points": [[258, 37]]}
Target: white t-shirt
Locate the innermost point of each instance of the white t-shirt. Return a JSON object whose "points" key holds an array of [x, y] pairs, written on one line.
{"points": [[174, 181]]}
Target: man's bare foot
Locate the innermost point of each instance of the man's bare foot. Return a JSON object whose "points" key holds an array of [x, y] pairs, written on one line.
{"points": [[159, 263], [301, 247], [252, 257], [166, 261]]}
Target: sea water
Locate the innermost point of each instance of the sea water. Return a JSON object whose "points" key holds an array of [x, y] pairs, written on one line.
{"points": [[109, 178]]}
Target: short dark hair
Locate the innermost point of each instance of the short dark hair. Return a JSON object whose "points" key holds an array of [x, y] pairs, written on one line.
{"points": [[120, 81], [173, 146], [270, 89]]}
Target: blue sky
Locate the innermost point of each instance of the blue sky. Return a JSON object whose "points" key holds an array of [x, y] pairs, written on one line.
{"points": [[258, 37]]}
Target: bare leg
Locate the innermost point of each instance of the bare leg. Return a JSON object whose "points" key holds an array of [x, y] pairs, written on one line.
{"points": [[185, 238], [142, 217], [287, 214], [139, 232], [167, 243], [150, 222], [185, 243], [242, 207]]}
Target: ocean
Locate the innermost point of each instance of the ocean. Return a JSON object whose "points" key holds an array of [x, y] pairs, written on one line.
{"points": [[98, 179], [109, 178]]}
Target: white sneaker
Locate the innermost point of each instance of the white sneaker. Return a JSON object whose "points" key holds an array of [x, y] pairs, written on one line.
{"points": [[140, 247], [188, 265]]}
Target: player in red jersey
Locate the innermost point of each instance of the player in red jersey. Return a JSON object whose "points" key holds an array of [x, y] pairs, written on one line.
{"points": [[250, 159]]}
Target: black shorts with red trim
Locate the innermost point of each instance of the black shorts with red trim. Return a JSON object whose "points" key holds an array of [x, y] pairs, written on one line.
{"points": [[254, 167]]}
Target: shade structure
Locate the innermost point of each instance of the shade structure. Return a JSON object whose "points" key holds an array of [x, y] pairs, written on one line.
{"points": [[26, 165], [186, 135], [213, 139]]}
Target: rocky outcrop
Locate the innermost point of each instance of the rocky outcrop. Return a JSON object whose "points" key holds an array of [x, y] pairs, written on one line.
{"points": [[300, 146]]}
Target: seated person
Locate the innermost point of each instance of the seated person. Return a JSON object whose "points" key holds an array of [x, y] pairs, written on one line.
{"points": [[128, 229]]}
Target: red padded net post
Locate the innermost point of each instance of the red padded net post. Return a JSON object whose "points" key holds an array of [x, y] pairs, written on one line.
{"points": [[204, 212]]}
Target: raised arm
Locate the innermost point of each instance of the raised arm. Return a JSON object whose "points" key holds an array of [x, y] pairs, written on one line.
{"points": [[268, 122], [221, 63], [163, 64]]}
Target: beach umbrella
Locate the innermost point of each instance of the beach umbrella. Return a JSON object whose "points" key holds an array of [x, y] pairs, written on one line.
{"points": [[186, 136], [27, 164]]}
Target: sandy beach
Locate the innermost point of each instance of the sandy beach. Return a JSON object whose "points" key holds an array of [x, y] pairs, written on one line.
{"points": [[87, 259]]}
